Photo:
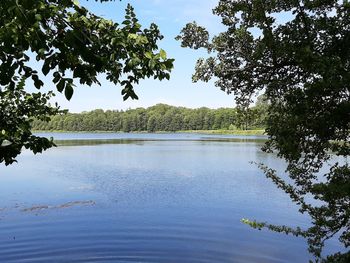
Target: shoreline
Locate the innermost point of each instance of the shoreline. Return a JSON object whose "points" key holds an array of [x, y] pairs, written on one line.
{"points": [[256, 132]]}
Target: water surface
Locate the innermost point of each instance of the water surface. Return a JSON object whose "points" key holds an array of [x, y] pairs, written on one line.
{"points": [[145, 198]]}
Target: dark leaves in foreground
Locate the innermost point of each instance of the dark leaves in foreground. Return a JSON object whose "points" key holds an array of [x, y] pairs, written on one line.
{"points": [[297, 53], [71, 45]]}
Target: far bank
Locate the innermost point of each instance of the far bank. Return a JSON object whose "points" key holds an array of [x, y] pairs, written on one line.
{"points": [[219, 132]]}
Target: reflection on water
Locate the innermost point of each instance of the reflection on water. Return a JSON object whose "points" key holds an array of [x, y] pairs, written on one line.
{"points": [[83, 142], [153, 198], [80, 139], [66, 205], [96, 142], [145, 136]]}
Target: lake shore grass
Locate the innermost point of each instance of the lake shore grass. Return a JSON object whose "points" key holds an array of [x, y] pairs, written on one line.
{"points": [[218, 132], [228, 132]]}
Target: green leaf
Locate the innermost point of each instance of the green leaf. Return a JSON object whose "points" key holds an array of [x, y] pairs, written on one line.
{"points": [[38, 17], [60, 85], [152, 63], [46, 67], [56, 78], [68, 91], [38, 83], [143, 40], [163, 54], [133, 36], [148, 55], [41, 51]]}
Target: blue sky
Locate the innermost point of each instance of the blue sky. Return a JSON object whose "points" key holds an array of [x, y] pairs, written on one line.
{"points": [[171, 16]]}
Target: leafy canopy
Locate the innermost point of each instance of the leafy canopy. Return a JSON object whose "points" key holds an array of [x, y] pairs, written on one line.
{"points": [[72, 45], [300, 59]]}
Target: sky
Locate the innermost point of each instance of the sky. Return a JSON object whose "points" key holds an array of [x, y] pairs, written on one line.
{"points": [[170, 16]]}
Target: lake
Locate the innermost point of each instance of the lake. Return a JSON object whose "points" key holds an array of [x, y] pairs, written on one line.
{"points": [[105, 197]]}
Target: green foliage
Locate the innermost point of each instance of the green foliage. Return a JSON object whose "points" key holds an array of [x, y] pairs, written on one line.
{"points": [[72, 45], [17, 111], [157, 118], [302, 64], [232, 127], [66, 37]]}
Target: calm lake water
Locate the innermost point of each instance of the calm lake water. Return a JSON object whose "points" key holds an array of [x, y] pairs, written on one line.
{"points": [[145, 198]]}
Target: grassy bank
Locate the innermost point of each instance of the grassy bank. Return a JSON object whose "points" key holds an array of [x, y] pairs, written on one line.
{"points": [[63, 131], [222, 132], [228, 132]]}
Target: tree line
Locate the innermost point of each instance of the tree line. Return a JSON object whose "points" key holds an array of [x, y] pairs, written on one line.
{"points": [[160, 117]]}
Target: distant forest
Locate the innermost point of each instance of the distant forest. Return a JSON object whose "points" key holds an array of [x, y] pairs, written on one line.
{"points": [[160, 117]]}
